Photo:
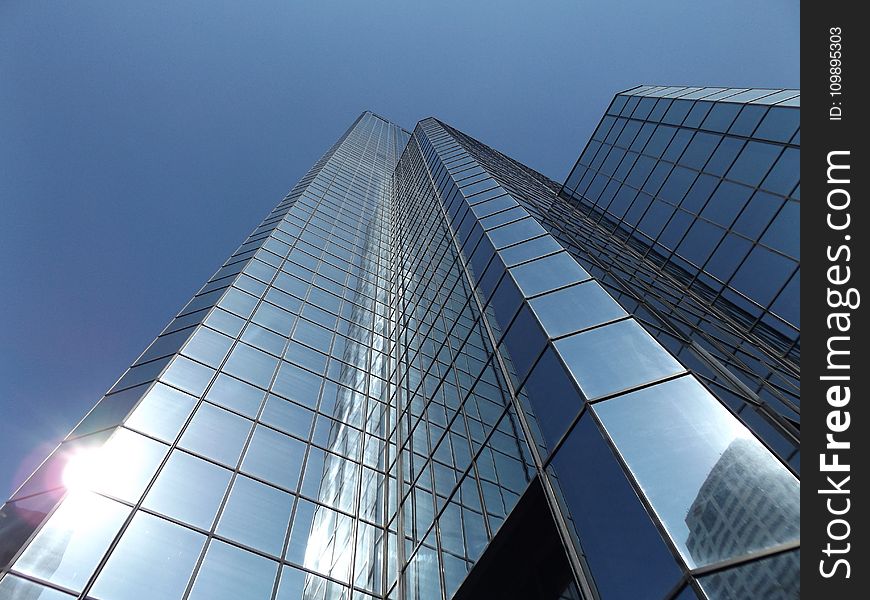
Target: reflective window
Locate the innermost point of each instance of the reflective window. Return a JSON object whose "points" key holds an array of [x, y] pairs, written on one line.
{"points": [[188, 375], [306, 357], [524, 341], [264, 339], [659, 140], [323, 538], [654, 182], [677, 184], [757, 214], [330, 479], [753, 163], [785, 174], [784, 231], [251, 365], [747, 120], [216, 433], [774, 577], [207, 346], [762, 275], [697, 114], [122, 467], [287, 416], [226, 322], [297, 384], [313, 335], [230, 573], [256, 515], [274, 318], [235, 395], [726, 203], [548, 273], [275, 457], [153, 559], [238, 302], [700, 481], [16, 588], [779, 125], [554, 398], [728, 255], [700, 241], [724, 156], [700, 149], [615, 531], [699, 193], [721, 116], [677, 145], [162, 412], [188, 489], [615, 357], [575, 308], [70, 545], [297, 584], [529, 250]]}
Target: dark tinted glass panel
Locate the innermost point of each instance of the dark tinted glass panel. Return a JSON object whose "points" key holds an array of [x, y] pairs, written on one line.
{"points": [[555, 400], [615, 533]]}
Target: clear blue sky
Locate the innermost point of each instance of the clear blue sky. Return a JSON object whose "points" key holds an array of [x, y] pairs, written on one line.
{"points": [[141, 141]]}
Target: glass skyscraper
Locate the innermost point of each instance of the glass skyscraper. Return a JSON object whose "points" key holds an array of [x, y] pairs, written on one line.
{"points": [[434, 373]]}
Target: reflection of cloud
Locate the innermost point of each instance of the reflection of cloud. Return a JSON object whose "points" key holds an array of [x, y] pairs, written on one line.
{"points": [[330, 543], [744, 504]]}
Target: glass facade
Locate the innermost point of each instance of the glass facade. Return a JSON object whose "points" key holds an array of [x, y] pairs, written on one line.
{"points": [[428, 356]]}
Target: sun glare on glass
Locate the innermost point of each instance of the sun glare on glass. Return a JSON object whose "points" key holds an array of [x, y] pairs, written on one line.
{"points": [[82, 471]]}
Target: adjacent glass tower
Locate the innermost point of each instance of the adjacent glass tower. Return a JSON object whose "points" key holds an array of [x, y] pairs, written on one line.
{"points": [[434, 373]]}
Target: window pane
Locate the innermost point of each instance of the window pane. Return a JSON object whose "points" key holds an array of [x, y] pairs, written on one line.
{"points": [[321, 538], [297, 384], [264, 339], [162, 412], [753, 162], [762, 275], [575, 308], [615, 531], [188, 489], [238, 302], [699, 481], [774, 577], [72, 542], [188, 375], [548, 273], [207, 346], [236, 395], [274, 318], [297, 584], [330, 479], [226, 322], [230, 573], [124, 465], [256, 515], [287, 416], [217, 434], [615, 357], [529, 250], [153, 559], [275, 457], [553, 397], [251, 365], [16, 588]]}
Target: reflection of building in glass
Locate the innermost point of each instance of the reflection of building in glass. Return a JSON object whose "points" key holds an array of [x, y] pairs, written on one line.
{"points": [[729, 515], [384, 392], [772, 579]]}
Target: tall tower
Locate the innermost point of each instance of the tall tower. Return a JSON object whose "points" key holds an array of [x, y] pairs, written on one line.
{"points": [[433, 373]]}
